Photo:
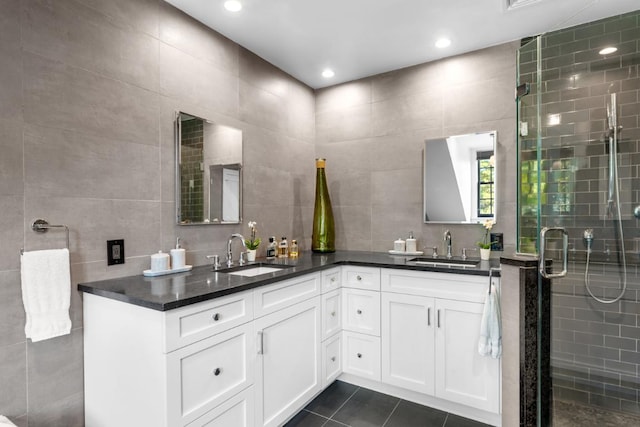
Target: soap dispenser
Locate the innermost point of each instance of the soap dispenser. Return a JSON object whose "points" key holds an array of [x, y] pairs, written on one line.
{"points": [[411, 243], [178, 256]]}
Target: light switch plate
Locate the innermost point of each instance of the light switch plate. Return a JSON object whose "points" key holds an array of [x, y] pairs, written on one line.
{"points": [[497, 242], [115, 252]]}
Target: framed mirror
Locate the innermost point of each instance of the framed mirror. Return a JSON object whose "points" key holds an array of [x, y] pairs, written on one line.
{"points": [[208, 172], [459, 178]]}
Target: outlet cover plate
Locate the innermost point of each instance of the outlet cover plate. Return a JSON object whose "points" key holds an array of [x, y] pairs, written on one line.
{"points": [[497, 242], [115, 252]]}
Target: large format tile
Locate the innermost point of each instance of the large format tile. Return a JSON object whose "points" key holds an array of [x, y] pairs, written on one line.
{"points": [[332, 399], [61, 96], [366, 408], [67, 412], [13, 377], [409, 112], [11, 164], [409, 414], [110, 169], [81, 36], [457, 421], [11, 70], [11, 231], [12, 317], [306, 419], [139, 15]]}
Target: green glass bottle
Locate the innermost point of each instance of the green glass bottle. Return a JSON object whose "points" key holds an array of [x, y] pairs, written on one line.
{"points": [[323, 238]]}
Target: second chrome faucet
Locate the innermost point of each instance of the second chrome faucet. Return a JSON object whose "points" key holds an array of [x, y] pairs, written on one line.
{"points": [[447, 239]]}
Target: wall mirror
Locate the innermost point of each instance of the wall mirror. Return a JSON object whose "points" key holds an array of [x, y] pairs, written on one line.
{"points": [[459, 178], [208, 172]]}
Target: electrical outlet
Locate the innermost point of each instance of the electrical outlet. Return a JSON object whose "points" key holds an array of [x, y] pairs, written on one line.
{"points": [[115, 252], [497, 242]]}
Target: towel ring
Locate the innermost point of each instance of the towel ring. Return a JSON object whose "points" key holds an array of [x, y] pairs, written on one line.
{"points": [[42, 226], [491, 270]]}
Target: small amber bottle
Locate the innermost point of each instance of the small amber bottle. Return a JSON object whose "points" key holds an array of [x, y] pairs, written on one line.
{"points": [[283, 248], [293, 249]]}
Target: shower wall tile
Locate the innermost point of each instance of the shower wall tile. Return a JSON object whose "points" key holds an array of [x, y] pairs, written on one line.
{"points": [[73, 33]]}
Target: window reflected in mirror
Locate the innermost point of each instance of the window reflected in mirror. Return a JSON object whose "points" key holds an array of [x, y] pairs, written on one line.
{"points": [[459, 178]]}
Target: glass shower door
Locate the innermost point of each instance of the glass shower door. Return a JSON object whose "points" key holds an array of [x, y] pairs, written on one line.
{"points": [[579, 170]]}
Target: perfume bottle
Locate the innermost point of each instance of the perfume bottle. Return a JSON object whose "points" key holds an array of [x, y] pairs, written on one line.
{"points": [[283, 248], [272, 249], [293, 249]]}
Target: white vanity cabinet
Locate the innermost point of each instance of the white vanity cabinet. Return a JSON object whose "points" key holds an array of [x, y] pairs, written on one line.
{"points": [[288, 364], [430, 333], [361, 321]]}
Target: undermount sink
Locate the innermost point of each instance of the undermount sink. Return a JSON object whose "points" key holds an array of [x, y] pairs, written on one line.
{"points": [[444, 262], [252, 270]]}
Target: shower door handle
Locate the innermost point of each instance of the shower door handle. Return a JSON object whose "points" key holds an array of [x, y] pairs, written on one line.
{"points": [[565, 253]]}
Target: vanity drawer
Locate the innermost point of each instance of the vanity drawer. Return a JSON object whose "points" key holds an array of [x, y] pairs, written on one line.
{"points": [[271, 298], [237, 412], [331, 359], [207, 373], [361, 277], [331, 279], [331, 313], [361, 355], [196, 322], [361, 311]]}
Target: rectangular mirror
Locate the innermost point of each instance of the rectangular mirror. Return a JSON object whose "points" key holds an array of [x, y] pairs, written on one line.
{"points": [[459, 177], [208, 172]]}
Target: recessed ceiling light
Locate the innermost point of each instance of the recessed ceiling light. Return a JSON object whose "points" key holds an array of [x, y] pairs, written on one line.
{"points": [[442, 43], [233, 5], [328, 73], [608, 50]]}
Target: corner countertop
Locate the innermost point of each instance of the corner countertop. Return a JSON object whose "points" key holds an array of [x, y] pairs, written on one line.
{"points": [[168, 292]]}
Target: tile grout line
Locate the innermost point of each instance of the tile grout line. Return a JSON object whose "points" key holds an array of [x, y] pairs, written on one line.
{"points": [[392, 411], [344, 403], [445, 420]]}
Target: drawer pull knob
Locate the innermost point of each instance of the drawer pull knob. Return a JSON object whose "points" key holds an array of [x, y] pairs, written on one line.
{"points": [[359, 355], [333, 359], [333, 279], [216, 317], [358, 278], [217, 372], [359, 311], [333, 313]]}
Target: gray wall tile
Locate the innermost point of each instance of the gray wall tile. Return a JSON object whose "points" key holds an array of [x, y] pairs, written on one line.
{"points": [[12, 317], [13, 377]]}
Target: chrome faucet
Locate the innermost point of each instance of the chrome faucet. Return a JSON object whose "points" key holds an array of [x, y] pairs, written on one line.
{"points": [[447, 239], [230, 253]]}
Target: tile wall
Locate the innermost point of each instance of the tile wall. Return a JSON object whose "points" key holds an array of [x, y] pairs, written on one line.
{"points": [[88, 94]]}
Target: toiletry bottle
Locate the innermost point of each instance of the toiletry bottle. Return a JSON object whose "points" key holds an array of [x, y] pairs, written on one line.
{"points": [[411, 245], [293, 249], [283, 248], [178, 256], [272, 249]]}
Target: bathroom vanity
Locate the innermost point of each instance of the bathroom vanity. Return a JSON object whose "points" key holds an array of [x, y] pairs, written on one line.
{"points": [[237, 349]]}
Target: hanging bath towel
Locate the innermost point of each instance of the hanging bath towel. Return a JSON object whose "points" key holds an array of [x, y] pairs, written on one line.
{"points": [[490, 343], [46, 293]]}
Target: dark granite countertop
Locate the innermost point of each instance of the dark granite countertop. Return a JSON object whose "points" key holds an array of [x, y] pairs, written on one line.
{"points": [[202, 283]]}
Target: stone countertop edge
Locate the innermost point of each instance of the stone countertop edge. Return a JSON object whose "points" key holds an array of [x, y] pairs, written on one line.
{"points": [[163, 293]]}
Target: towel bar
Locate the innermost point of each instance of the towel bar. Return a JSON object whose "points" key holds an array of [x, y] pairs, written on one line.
{"points": [[42, 226]]}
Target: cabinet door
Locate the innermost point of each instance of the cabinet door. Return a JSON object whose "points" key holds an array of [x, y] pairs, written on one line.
{"points": [[288, 364], [361, 311], [331, 359], [361, 355], [408, 337], [206, 373], [331, 318], [236, 412], [462, 375]]}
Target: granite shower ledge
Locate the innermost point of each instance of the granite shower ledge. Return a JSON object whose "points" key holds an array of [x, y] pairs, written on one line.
{"points": [[168, 292]]}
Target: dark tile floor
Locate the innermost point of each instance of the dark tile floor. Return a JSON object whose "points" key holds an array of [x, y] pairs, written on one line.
{"points": [[343, 404]]}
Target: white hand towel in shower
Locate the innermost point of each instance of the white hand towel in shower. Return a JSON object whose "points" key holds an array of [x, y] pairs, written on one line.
{"points": [[5, 422], [46, 293], [490, 342]]}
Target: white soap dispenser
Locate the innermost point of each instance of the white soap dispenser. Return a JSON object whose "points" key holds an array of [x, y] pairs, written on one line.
{"points": [[178, 256], [411, 243]]}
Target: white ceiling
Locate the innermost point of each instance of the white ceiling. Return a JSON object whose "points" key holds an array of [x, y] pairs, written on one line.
{"points": [[359, 38]]}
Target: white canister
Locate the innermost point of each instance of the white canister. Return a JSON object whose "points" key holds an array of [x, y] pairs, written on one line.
{"points": [[178, 258], [411, 245], [399, 245], [160, 261]]}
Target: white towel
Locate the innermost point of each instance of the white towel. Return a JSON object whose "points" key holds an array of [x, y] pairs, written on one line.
{"points": [[46, 293], [4, 421], [490, 342]]}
